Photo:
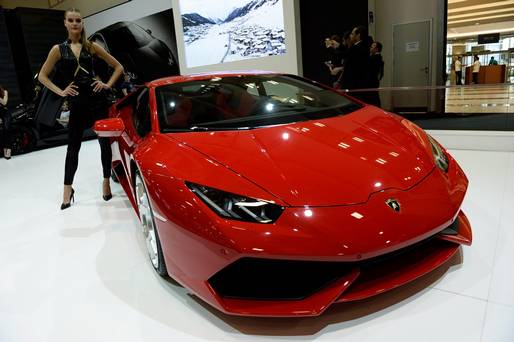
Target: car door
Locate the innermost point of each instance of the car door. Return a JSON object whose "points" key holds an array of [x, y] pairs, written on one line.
{"points": [[135, 113]]}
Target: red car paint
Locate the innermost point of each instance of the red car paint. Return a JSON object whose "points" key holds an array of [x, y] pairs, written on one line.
{"points": [[332, 176]]}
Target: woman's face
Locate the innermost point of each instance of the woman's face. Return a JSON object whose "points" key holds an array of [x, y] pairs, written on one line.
{"points": [[73, 22]]}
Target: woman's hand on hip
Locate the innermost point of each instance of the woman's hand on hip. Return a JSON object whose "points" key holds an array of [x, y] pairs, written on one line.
{"points": [[99, 86], [71, 90]]}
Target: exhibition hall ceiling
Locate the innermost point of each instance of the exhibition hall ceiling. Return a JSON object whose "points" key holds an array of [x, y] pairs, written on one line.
{"points": [[87, 7], [471, 17]]}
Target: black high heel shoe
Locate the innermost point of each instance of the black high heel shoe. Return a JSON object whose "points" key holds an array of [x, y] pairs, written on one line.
{"points": [[72, 198], [109, 195]]}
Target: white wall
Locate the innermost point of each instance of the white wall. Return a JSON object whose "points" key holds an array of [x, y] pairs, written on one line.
{"points": [[132, 10], [289, 62], [391, 12], [88, 7]]}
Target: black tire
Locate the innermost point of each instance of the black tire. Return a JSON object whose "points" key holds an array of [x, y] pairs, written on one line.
{"points": [[117, 170], [161, 264], [162, 270], [114, 177]]}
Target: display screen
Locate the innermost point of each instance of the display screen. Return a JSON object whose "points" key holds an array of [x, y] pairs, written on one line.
{"points": [[231, 30]]}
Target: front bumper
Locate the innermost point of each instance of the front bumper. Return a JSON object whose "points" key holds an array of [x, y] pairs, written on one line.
{"points": [[366, 249], [349, 281]]}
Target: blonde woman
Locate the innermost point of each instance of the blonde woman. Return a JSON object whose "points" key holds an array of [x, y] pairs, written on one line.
{"points": [[74, 61]]}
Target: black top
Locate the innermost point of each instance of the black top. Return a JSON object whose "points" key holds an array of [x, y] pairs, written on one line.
{"points": [[376, 69], [337, 55], [355, 74], [70, 69]]}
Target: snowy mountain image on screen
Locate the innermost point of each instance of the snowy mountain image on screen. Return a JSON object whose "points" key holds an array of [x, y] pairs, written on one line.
{"points": [[218, 32]]}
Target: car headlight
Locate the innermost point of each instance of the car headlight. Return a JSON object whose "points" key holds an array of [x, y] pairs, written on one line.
{"points": [[237, 207], [440, 158]]}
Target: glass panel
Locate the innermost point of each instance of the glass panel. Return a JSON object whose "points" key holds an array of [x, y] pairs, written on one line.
{"points": [[473, 107], [246, 102]]}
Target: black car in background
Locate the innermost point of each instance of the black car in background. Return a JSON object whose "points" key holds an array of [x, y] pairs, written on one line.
{"points": [[143, 56], [29, 134]]}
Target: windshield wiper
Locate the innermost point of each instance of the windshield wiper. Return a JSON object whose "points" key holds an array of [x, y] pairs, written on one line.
{"points": [[220, 128], [286, 108], [199, 128]]}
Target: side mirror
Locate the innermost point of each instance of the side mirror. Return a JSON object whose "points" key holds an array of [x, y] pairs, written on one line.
{"points": [[109, 128]]}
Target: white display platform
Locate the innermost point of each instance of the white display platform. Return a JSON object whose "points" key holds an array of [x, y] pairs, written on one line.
{"points": [[83, 275]]}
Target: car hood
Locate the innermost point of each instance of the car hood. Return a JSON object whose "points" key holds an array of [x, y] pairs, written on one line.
{"points": [[335, 161]]}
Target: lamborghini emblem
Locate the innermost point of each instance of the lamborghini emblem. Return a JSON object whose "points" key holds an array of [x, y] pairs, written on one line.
{"points": [[393, 204]]}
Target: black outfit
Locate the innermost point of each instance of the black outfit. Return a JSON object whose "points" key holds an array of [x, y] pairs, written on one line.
{"points": [[376, 69], [376, 72], [85, 108], [475, 77], [356, 70], [128, 86], [458, 74], [5, 127], [337, 59]]}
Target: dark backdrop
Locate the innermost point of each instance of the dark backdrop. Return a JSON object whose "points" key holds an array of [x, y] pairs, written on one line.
{"points": [[162, 27], [32, 32], [8, 78], [320, 19]]}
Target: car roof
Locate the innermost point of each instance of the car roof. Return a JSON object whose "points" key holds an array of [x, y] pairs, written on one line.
{"points": [[208, 75]]}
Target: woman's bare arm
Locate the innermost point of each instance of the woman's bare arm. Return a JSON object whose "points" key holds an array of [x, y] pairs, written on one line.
{"points": [[53, 57], [118, 68]]}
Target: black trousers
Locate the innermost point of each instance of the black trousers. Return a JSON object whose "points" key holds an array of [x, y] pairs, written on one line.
{"points": [[458, 74], [475, 77], [5, 129], [84, 110]]}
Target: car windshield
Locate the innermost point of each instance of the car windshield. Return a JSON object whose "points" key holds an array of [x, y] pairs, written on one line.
{"points": [[246, 102]]}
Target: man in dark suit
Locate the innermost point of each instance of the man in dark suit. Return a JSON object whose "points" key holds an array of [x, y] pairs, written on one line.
{"points": [[376, 72], [356, 63]]}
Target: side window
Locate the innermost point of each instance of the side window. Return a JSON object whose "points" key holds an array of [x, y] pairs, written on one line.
{"points": [[142, 116], [141, 37]]}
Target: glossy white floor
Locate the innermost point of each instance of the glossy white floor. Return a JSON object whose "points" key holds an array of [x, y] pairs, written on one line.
{"points": [[82, 274]]}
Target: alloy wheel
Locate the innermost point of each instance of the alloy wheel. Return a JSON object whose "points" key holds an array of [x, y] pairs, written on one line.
{"points": [[147, 221]]}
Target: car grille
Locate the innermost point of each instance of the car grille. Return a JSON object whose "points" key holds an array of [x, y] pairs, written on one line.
{"points": [[273, 279]]}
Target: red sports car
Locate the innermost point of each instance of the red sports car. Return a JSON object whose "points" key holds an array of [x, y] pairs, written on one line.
{"points": [[270, 195]]}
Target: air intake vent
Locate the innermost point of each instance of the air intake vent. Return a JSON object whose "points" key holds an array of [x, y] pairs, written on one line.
{"points": [[267, 279]]}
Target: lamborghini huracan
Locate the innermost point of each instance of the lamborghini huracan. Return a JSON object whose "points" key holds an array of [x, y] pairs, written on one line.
{"points": [[267, 194]]}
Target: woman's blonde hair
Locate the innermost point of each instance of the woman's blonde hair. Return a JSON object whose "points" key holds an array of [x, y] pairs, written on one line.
{"points": [[83, 40]]}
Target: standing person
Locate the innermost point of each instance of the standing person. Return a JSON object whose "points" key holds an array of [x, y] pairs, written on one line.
{"points": [[458, 70], [83, 93], [335, 53], [493, 61], [347, 43], [356, 63], [5, 123], [127, 86], [476, 69], [376, 71]]}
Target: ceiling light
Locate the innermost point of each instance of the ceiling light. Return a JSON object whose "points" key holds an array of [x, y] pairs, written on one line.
{"points": [[480, 18], [481, 6], [476, 14]]}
